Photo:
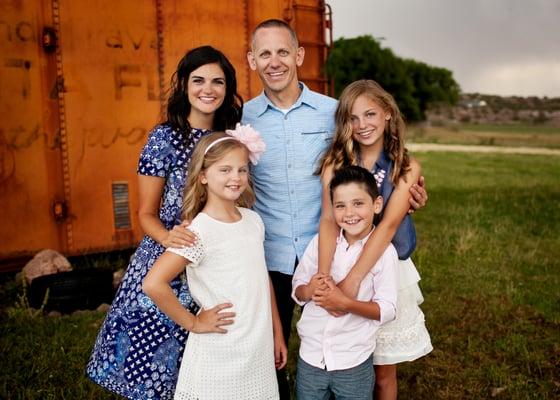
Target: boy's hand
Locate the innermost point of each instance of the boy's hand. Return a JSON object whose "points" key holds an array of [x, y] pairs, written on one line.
{"points": [[317, 282], [331, 298], [213, 319], [305, 292]]}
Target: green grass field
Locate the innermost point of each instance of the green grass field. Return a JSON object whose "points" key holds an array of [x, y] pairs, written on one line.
{"points": [[488, 252]]}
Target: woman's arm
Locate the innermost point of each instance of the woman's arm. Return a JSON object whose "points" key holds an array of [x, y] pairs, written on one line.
{"points": [[394, 213], [156, 285], [328, 230], [150, 189]]}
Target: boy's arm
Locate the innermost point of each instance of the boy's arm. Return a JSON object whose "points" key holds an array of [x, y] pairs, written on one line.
{"points": [[381, 237], [381, 308], [385, 285], [333, 298], [305, 272]]}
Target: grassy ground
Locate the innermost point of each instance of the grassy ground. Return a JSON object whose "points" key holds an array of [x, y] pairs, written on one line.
{"points": [[488, 254], [490, 135]]}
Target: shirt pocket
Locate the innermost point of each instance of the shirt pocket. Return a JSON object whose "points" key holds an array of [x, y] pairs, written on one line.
{"points": [[314, 143], [318, 134]]}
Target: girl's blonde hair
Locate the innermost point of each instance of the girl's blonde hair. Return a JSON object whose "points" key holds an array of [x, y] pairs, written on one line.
{"points": [[196, 195], [342, 151]]}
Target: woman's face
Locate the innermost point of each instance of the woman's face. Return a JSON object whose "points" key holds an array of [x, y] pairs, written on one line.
{"points": [[368, 121], [206, 90]]}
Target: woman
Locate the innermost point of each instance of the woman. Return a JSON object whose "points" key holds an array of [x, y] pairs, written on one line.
{"points": [[138, 350]]}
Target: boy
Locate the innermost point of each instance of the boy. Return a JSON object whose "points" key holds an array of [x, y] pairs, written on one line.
{"points": [[335, 354]]}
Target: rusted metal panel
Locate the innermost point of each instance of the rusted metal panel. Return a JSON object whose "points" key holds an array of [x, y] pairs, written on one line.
{"points": [[75, 115], [111, 99], [29, 156]]}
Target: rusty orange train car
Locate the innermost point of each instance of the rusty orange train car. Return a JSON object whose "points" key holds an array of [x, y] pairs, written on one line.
{"points": [[81, 84]]}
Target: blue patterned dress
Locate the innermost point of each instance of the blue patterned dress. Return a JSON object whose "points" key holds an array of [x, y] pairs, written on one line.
{"points": [[138, 350]]}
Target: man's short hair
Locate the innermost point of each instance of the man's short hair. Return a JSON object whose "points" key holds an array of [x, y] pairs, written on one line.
{"points": [[274, 23]]}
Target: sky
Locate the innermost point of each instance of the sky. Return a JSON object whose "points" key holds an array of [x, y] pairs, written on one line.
{"points": [[503, 47]]}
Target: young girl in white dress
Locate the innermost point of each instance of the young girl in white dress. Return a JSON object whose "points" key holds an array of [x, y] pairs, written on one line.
{"points": [[236, 339]]}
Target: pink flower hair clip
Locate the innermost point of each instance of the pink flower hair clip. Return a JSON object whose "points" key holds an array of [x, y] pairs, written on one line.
{"points": [[249, 137]]}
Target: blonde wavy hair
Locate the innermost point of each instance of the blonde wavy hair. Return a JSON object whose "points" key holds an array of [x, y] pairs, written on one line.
{"points": [[343, 150], [196, 195]]}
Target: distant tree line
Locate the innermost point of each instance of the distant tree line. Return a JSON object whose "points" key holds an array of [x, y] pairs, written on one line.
{"points": [[415, 85]]}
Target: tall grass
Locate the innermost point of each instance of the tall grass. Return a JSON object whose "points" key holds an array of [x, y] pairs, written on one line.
{"points": [[488, 254]]}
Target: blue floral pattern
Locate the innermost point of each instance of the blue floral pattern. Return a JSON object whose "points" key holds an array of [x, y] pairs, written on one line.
{"points": [[139, 349]]}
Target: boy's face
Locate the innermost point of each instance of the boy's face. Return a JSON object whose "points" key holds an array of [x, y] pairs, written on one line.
{"points": [[354, 210]]}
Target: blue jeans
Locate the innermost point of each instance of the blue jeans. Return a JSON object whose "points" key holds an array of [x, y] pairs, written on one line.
{"points": [[355, 383]]}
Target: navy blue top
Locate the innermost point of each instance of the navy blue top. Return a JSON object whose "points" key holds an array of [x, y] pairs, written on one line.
{"points": [[405, 236]]}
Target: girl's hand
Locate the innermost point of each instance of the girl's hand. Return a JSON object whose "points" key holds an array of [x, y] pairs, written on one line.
{"points": [[280, 351], [212, 320], [180, 236], [317, 281], [331, 299], [419, 196]]}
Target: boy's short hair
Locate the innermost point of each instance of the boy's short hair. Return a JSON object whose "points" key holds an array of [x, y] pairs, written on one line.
{"points": [[354, 174]]}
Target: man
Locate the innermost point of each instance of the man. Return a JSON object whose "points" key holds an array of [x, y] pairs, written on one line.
{"points": [[297, 125]]}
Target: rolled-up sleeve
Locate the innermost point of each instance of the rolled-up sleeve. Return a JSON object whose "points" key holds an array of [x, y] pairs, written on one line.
{"points": [[385, 285], [307, 267]]}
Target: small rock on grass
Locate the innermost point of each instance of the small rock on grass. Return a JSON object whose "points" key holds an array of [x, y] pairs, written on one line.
{"points": [[103, 308], [498, 390]]}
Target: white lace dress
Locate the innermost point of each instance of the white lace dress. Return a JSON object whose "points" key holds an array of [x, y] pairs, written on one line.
{"points": [[406, 337], [228, 265]]}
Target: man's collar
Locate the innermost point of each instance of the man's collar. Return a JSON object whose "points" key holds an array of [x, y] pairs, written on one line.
{"points": [[306, 96]]}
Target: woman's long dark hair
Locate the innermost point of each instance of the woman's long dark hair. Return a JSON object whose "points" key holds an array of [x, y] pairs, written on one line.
{"points": [[178, 106]]}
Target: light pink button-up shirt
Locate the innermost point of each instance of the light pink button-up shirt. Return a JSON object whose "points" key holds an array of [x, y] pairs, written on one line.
{"points": [[339, 343]]}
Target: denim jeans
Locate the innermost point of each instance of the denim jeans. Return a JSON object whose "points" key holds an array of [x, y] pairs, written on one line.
{"points": [[355, 383]]}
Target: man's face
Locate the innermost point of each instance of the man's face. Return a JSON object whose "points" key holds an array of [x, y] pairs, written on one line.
{"points": [[275, 57]]}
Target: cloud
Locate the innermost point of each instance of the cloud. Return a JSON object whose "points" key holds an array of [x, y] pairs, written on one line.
{"points": [[522, 79], [474, 38]]}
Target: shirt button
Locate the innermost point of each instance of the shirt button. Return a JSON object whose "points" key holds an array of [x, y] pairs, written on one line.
{"points": [[296, 239], [289, 165], [286, 116], [292, 192]]}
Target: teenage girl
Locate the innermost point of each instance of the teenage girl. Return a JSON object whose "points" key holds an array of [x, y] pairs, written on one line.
{"points": [[370, 133]]}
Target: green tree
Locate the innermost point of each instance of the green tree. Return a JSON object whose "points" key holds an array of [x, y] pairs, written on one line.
{"points": [[432, 85], [414, 85]]}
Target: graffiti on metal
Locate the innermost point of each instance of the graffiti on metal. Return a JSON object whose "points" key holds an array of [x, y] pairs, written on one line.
{"points": [[21, 31]]}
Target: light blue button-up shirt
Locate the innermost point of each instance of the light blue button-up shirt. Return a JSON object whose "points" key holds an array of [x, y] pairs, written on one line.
{"points": [[288, 193]]}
